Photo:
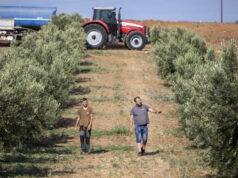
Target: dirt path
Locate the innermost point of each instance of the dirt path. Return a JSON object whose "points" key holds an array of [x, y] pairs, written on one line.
{"points": [[118, 76]]}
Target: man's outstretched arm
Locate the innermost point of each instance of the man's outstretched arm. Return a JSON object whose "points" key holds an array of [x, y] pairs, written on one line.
{"points": [[155, 111]]}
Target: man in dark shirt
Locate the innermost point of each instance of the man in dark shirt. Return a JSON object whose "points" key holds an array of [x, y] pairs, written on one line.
{"points": [[139, 116], [85, 119]]}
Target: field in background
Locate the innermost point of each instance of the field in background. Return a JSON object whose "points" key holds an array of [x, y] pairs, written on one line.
{"points": [[214, 33]]}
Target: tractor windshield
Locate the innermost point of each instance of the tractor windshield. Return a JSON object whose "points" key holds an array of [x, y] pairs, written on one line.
{"points": [[108, 16]]}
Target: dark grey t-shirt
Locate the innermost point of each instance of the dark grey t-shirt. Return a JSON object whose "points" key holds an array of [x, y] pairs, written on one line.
{"points": [[140, 114]]}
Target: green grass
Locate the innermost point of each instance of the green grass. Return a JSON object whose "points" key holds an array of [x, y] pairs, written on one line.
{"points": [[119, 97], [99, 52], [99, 99], [70, 112], [96, 52], [84, 69], [114, 87], [99, 148], [87, 69], [162, 98], [118, 130], [192, 162], [122, 112], [176, 132], [104, 53], [92, 98], [65, 132], [99, 70], [100, 87]]}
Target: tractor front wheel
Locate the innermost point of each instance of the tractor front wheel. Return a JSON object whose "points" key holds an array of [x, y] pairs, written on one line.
{"points": [[96, 36], [135, 41]]}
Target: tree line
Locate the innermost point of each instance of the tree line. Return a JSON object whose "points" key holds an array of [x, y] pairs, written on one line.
{"points": [[205, 87], [36, 79]]}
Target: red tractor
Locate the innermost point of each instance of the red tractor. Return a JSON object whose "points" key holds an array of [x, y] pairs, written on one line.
{"points": [[106, 28]]}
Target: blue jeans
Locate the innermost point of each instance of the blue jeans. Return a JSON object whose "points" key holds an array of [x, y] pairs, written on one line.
{"points": [[85, 138], [141, 132]]}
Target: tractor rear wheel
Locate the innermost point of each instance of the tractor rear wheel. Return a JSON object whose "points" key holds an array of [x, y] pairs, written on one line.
{"points": [[96, 36], [135, 41]]}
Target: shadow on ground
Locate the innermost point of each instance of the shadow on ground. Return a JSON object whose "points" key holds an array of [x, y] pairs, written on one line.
{"points": [[167, 85], [151, 153], [65, 123], [72, 102], [99, 151], [37, 159], [35, 163], [80, 91], [117, 46], [19, 170], [82, 80], [86, 63], [77, 101], [84, 70]]}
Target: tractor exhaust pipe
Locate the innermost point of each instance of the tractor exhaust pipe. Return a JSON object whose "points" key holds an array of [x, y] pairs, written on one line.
{"points": [[119, 25]]}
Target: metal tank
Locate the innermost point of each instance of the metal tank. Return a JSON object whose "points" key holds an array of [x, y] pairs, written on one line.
{"points": [[27, 16]]}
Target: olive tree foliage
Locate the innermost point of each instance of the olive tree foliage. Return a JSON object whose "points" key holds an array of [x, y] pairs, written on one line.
{"points": [[59, 52], [209, 112], [175, 48], [26, 108], [155, 34], [205, 87], [36, 79], [63, 20]]}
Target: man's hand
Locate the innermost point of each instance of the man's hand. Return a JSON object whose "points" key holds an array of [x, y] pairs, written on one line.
{"points": [[131, 130], [158, 112], [75, 128], [89, 127], [154, 111]]}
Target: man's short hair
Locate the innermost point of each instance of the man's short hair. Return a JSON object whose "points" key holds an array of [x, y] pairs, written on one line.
{"points": [[137, 97], [84, 99]]}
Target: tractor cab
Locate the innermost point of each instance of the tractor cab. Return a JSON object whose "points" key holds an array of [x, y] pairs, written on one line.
{"points": [[108, 16]]}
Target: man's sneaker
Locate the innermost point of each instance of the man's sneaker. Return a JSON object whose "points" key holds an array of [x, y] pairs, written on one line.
{"points": [[140, 154], [83, 152], [142, 151]]}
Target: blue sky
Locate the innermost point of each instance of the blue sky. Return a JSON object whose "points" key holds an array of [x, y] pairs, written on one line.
{"points": [[167, 10]]}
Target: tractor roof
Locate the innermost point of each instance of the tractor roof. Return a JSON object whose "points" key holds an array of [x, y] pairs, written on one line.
{"points": [[104, 8]]}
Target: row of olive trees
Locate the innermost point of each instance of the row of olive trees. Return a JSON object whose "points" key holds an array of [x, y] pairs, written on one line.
{"points": [[36, 78], [205, 87]]}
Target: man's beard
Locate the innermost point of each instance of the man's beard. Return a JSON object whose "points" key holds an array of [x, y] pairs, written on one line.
{"points": [[139, 104]]}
